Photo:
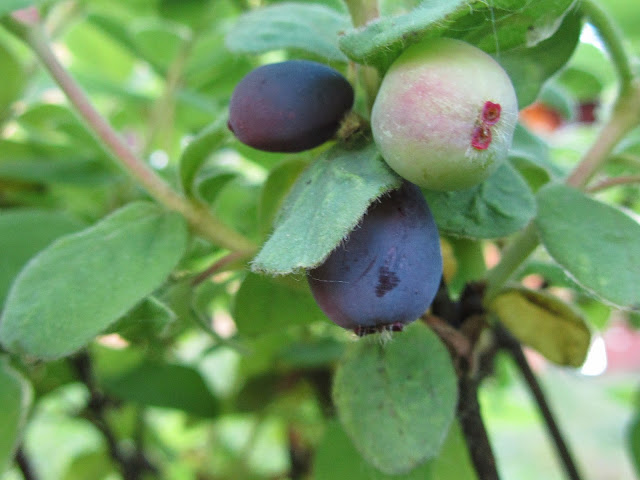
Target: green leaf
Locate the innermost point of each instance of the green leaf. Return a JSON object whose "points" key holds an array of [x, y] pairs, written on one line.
{"points": [[275, 189], [529, 68], [147, 320], [397, 401], [15, 401], [500, 205], [164, 385], [311, 28], [13, 78], [545, 323], [596, 243], [264, 305], [324, 205], [198, 151], [83, 282], [337, 457], [159, 41], [634, 442], [383, 39], [23, 233]]}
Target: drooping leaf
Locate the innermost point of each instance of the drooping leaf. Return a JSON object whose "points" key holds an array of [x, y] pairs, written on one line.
{"points": [[23, 233], [324, 205], [545, 323], [265, 305], [596, 243], [530, 67], [15, 401], [164, 385], [83, 282], [311, 28], [500, 205], [397, 401]]}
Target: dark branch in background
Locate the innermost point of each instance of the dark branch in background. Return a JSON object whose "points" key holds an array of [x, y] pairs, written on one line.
{"points": [[24, 465], [474, 430], [132, 466], [508, 343]]}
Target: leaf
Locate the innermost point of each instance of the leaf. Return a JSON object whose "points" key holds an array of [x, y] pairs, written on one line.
{"points": [[275, 189], [382, 40], [15, 401], [545, 323], [82, 283], [264, 305], [311, 28], [13, 78], [596, 243], [336, 457], [198, 151], [324, 205], [23, 233], [147, 320], [497, 207], [158, 41], [165, 385], [529, 68], [397, 401]]}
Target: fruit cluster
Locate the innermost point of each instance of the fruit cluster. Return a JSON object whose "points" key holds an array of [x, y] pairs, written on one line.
{"points": [[443, 119]]}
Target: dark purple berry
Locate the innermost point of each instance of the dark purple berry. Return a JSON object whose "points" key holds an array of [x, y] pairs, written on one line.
{"points": [[387, 272], [289, 106]]}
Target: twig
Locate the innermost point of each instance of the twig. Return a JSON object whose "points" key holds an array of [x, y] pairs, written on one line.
{"points": [[613, 182], [474, 430], [512, 346], [217, 266], [25, 465], [133, 466]]}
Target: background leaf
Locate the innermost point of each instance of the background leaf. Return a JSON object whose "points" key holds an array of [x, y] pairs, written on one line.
{"points": [[311, 28], [164, 385], [596, 243], [264, 305], [15, 402], [397, 401], [101, 273], [23, 233], [545, 323], [500, 205], [326, 202]]}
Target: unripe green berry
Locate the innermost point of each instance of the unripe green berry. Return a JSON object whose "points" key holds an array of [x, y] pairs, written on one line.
{"points": [[445, 114]]}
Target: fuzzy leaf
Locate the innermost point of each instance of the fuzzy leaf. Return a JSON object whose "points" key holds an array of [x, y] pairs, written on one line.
{"points": [[15, 400], [500, 205], [83, 282], [397, 401], [324, 205]]}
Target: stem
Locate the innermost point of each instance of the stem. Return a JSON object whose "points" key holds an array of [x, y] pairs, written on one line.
{"points": [[218, 265], [512, 257], [612, 39], [613, 182], [198, 215], [511, 345], [24, 465], [475, 433]]}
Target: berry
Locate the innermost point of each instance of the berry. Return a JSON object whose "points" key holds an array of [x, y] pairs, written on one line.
{"points": [[387, 272], [289, 106], [445, 115]]}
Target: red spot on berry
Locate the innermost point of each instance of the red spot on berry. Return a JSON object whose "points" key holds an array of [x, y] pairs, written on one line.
{"points": [[481, 137], [491, 113]]}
